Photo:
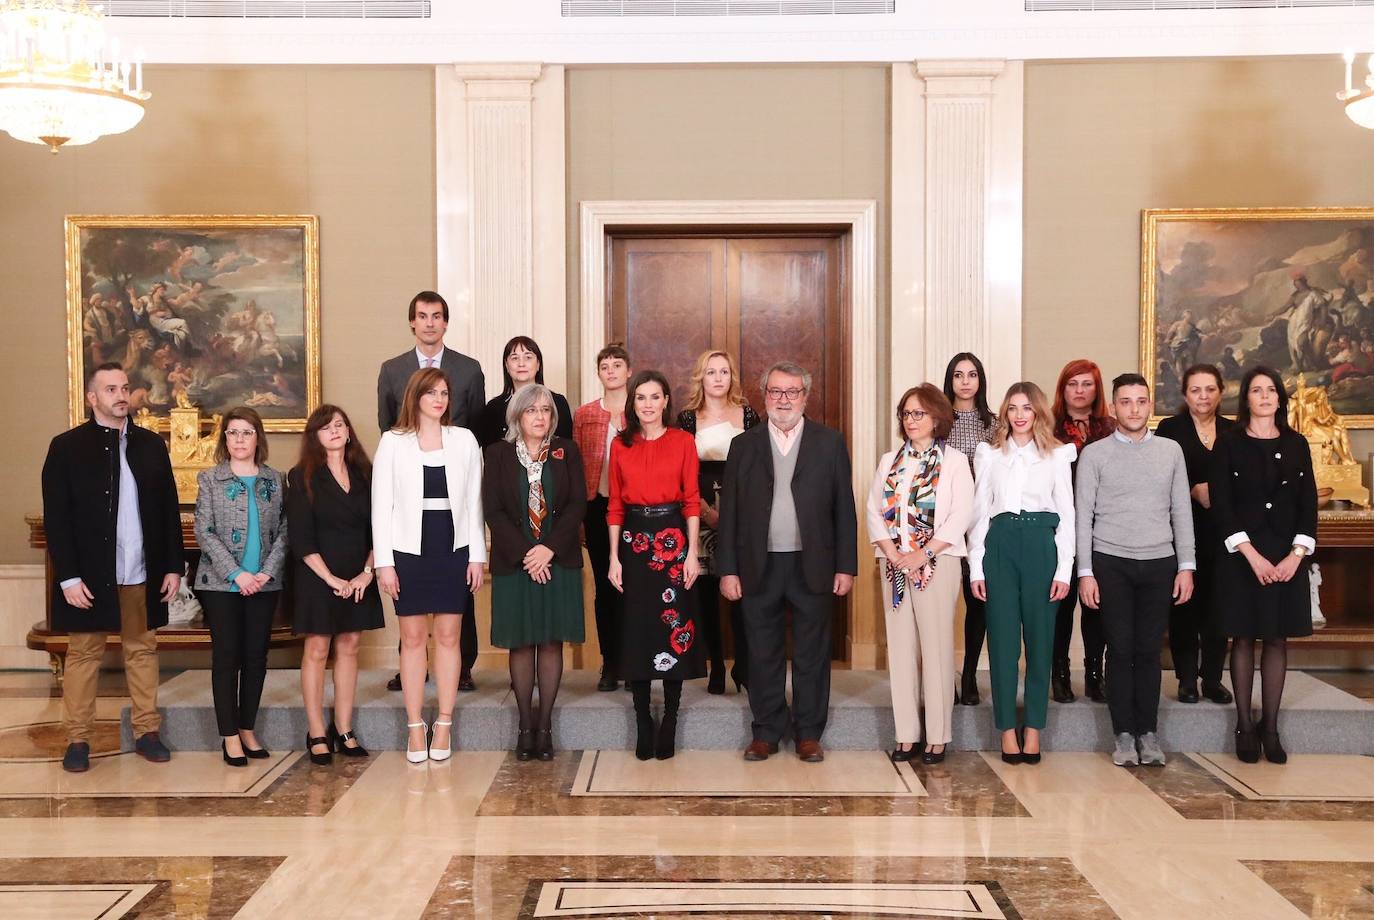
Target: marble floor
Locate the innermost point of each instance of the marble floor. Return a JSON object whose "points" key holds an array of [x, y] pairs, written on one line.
{"points": [[597, 834]]}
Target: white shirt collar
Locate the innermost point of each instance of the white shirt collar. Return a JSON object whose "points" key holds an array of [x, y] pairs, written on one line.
{"points": [[1127, 440], [421, 358]]}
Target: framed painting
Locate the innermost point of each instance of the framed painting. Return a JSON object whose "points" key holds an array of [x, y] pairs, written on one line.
{"points": [[210, 311], [1287, 288]]}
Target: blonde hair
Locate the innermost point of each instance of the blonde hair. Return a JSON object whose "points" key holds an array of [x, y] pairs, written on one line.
{"points": [[1042, 429], [696, 395]]}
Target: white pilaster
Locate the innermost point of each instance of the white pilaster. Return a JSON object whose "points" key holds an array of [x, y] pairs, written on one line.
{"points": [[500, 180]]}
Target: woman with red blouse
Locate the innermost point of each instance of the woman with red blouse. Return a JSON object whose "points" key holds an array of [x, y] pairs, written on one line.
{"points": [[653, 518]]}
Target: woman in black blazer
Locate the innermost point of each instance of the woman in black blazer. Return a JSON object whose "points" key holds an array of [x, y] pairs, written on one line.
{"points": [[534, 499], [1264, 502], [329, 515], [522, 364], [1193, 626]]}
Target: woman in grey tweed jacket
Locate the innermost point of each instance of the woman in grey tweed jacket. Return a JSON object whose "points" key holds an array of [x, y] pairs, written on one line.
{"points": [[242, 535]]}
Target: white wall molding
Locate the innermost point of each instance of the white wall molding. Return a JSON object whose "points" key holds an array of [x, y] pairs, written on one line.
{"points": [[22, 603]]}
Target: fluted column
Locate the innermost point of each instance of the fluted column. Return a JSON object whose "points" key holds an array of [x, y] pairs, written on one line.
{"points": [[500, 150]]}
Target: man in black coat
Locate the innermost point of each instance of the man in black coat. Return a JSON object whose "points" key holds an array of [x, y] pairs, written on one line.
{"points": [[788, 538], [114, 537], [467, 397]]}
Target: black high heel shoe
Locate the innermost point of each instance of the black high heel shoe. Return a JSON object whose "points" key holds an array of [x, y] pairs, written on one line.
{"points": [[319, 760], [524, 744], [666, 745], [1273, 749], [897, 755], [338, 742], [715, 684], [1015, 756], [1247, 746], [544, 745], [644, 737], [240, 761], [1026, 757], [740, 678], [930, 757]]}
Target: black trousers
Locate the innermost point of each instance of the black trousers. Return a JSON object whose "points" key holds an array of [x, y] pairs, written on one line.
{"points": [[1090, 622], [609, 603], [975, 624], [765, 623], [1193, 632], [240, 629], [1135, 596], [709, 604]]}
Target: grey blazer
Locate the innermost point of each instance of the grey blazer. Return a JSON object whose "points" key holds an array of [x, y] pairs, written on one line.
{"points": [[467, 388], [222, 525]]}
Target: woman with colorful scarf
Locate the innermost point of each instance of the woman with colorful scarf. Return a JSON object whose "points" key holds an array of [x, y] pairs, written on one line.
{"points": [[534, 500], [919, 507]]}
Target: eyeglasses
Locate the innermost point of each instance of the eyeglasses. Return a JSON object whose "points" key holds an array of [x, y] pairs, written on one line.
{"points": [[913, 415], [778, 393], [240, 433]]}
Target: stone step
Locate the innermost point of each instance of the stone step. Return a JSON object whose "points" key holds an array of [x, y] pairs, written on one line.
{"points": [[1316, 718]]}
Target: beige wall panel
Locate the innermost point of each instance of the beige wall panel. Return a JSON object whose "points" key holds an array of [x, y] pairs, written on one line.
{"points": [[355, 146]]}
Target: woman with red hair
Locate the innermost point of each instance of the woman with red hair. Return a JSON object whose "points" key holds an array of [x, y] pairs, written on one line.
{"points": [[1080, 418]]}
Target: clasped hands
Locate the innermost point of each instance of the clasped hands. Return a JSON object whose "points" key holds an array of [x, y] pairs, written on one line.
{"points": [[353, 587]]}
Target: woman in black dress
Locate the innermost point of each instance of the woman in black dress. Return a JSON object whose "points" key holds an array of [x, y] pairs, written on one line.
{"points": [[716, 414], [1192, 626], [1264, 503], [522, 364], [329, 514]]}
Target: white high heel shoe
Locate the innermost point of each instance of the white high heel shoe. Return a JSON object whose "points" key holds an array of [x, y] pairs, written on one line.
{"points": [[422, 754], [443, 753]]}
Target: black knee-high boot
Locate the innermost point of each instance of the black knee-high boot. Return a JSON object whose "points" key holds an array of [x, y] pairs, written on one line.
{"points": [[644, 720], [667, 729]]}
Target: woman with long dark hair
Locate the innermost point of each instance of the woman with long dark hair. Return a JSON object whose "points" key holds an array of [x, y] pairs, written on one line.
{"points": [[1080, 418], [1264, 502], [522, 363], [966, 388], [1193, 632], [329, 510], [716, 413], [653, 520]]}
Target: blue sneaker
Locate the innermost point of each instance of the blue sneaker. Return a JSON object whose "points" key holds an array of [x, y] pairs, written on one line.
{"points": [[78, 757], [150, 747]]}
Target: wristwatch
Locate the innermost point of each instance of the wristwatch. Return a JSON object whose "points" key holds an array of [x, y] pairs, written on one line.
{"points": [[367, 570], [1299, 551]]}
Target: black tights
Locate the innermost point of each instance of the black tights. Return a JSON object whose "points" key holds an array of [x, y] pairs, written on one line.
{"points": [[672, 697], [1273, 670], [550, 668]]}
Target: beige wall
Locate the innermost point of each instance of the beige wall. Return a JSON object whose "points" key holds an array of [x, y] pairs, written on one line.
{"points": [[804, 131], [354, 146], [1105, 140]]}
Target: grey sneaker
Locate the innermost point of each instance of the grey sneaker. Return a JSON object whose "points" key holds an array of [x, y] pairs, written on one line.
{"points": [[1125, 755], [1151, 754]]}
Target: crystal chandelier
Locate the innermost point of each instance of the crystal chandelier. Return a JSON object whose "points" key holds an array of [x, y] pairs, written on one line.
{"points": [[61, 81], [1359, 103]]}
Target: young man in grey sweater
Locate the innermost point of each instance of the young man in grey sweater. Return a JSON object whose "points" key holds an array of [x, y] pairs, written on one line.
{"points": [[1135, 555]]}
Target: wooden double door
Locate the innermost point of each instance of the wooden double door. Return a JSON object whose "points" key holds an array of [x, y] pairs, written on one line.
{"points": [[764, 297]]}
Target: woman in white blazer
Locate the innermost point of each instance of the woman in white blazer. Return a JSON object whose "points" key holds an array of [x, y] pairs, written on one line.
{"points": [[1020, 552], [429, 546], [919, 507]]}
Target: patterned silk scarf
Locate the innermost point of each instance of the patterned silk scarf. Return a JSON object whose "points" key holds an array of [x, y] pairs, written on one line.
{"points": [[918, 505], [534, 474]]}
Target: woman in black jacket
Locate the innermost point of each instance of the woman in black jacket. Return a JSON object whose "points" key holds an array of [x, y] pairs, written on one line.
{"points": [[534, 500], [329, 514]]}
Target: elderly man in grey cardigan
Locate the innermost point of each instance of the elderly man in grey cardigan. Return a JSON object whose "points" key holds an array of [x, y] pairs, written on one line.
{"points": [[1135, 555], [242, 535]]}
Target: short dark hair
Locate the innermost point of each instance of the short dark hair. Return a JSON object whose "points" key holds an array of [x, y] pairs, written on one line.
{"points": [[1200, 368], [243, 414], [933, 401], [427, 297], [613, 350], [1128, 380], [530, 345], [107, 366]]}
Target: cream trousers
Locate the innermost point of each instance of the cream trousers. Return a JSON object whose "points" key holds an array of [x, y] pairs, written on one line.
{"points": [[920, 657]]}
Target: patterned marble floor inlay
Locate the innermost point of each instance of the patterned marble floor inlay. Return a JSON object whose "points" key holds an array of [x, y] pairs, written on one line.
{"points": [[721, 783], [726, 774], [72, 901], [48, 741], [1306, 777], [1322, 890], [1204, 792], [786, 888], [194, 774], [616, 899]]}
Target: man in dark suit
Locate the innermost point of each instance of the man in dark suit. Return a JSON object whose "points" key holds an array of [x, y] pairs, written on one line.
{"points": [[113, 525], [467, 395], [788, 537]]}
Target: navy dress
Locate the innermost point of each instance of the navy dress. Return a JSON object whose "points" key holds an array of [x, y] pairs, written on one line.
{"points": [[436, 580]]}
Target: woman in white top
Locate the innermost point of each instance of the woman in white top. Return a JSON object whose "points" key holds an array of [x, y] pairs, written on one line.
{"points": [[429, 546], [716, 414], [918, 509], [1020, 553]]}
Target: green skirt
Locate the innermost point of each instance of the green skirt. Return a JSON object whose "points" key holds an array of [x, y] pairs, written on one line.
{"points": [[524, 613]]}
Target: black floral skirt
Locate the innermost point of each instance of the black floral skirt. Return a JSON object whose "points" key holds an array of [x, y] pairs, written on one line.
{"points": [[658, 637]]}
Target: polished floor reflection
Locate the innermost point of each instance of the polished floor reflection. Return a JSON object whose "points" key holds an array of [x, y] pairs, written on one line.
{"points": [[598, 834]]}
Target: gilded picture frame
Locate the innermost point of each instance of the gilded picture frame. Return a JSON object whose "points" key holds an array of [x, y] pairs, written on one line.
{"points": [[1290, 288], [209, 310]]}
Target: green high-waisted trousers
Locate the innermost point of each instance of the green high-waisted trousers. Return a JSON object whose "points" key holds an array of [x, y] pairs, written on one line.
{"points": [[1018, 566]]}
